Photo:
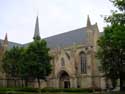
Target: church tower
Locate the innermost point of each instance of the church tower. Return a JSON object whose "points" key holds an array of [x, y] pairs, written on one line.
{"points": [[37, 33]]}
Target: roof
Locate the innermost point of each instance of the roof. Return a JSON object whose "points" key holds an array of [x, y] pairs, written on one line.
{"points": [[11, 44], [77, 36]]}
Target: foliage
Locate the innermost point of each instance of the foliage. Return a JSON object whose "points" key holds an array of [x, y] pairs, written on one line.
{"points": [[40, 56], [11, 61], [35, 90], [120, 4], [52, 91], [38, 60], [29, 63], [67, 90], [112, 50], [116, 18], [112, 44]]}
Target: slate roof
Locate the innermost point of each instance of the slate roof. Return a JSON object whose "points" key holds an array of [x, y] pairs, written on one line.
{"points": [[77, 36]]}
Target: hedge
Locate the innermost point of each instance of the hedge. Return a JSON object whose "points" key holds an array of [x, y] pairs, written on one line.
{"points": [[52, 90], [66, 90], [46, 90]]}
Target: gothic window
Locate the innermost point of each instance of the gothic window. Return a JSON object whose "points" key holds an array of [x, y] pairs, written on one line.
{"points": [[83, 62], [62, 62]]}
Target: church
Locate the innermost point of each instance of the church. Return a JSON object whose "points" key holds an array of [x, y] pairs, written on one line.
{"points": [[74, 64]]}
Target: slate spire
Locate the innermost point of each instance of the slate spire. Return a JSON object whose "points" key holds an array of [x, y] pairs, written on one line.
{"points": [[37, 33], [88, 21]]}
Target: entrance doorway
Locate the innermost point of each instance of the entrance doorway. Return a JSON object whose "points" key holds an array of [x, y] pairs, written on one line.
{"points": [[64, 80], [66, 84]]}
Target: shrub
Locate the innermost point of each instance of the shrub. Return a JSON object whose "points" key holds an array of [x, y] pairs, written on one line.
{"points": [[6, 89], [27, 89], [9, 90], [65, 90]]}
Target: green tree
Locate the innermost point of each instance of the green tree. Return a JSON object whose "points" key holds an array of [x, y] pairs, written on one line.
{"points": [[24, 67], [11, 59], [30, 63], [112, 45], [38, 60], [11, 62], [120, 4]]}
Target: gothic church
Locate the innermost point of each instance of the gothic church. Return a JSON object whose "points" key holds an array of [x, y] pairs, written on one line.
{"points": [[74, 64]]}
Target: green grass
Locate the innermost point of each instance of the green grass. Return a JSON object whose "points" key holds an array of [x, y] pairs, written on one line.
{"points": [[52, 91]]}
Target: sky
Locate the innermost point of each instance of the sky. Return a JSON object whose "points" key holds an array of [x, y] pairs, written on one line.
{"points": [[17, 17]]}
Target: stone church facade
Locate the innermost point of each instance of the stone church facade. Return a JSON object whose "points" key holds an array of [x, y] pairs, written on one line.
{"points": [[74, 63]]}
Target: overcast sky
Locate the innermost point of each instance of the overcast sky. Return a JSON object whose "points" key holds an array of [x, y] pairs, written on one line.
{"points": [[17, 17]]}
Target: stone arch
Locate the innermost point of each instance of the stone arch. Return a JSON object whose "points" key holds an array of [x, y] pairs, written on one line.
{"points": [[64, 79], [82, 52]]}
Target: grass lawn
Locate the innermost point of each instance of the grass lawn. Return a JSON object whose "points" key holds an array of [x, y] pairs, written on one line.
{"points": [[52, 91]]}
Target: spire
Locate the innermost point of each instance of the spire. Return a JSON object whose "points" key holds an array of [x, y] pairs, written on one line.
{"points": [[6, 39], [36, 33], [88, 21], [5, 43]]}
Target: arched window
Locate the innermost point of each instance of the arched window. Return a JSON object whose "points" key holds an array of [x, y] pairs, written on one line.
{"points": [[62, 62], [83, 62]]}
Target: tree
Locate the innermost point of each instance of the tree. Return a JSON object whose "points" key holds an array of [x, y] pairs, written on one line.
{"points": [[30, 63], [38, 60], [11, 59], [24, 68], [11, 62], [111, 52], [120, 4], [112, 45]]}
